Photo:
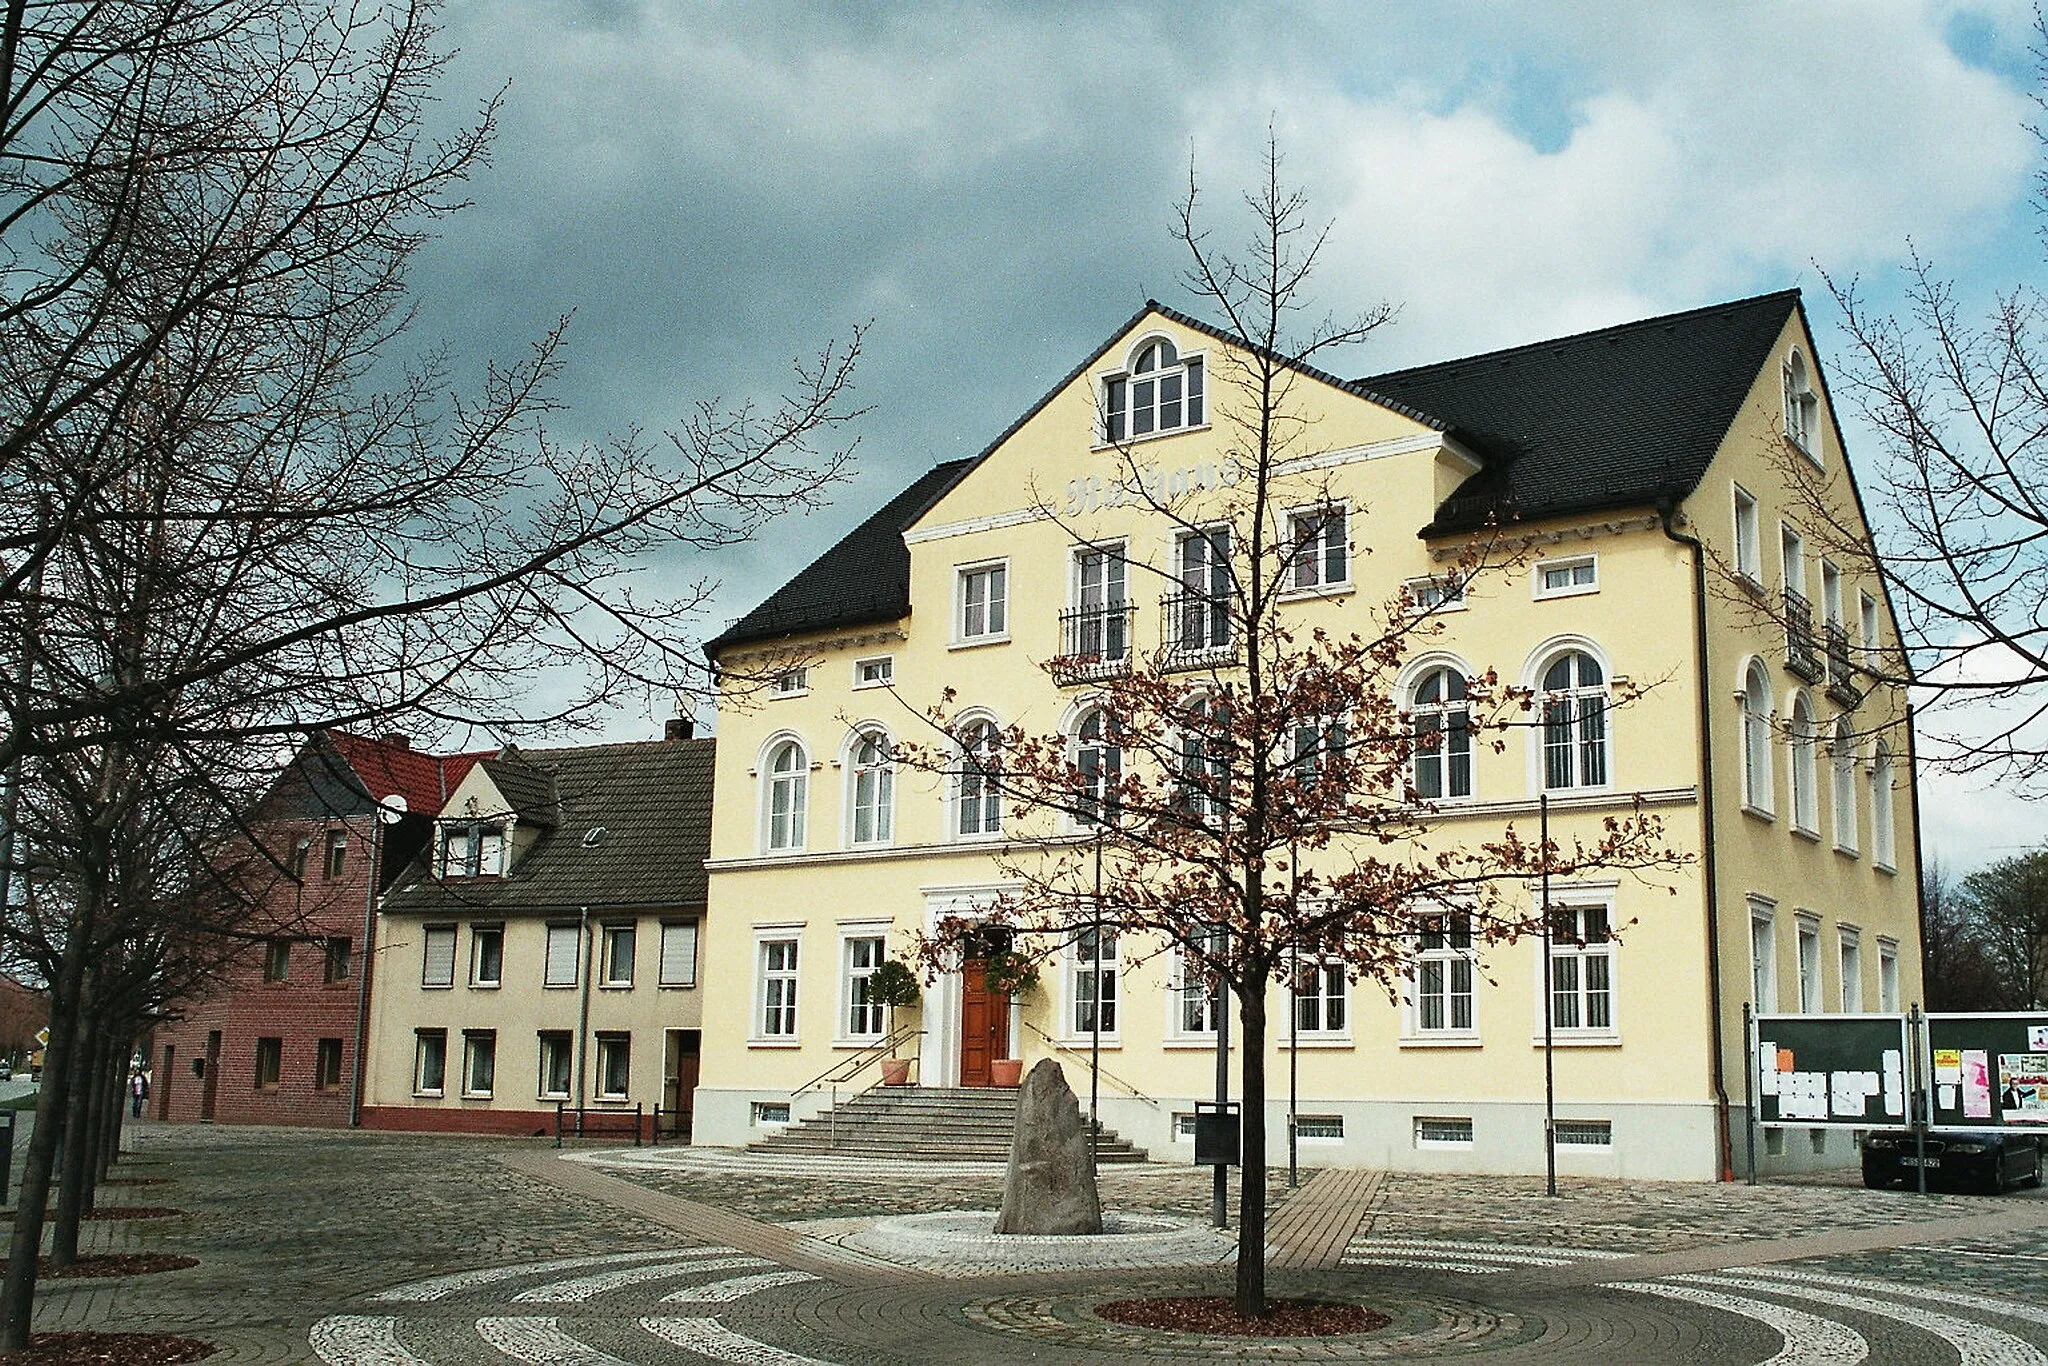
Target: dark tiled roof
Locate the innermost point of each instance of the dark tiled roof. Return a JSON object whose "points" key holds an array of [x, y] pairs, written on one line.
{"points": [[526, 787], [863, 579], [653, 802], [338, 774], [1625, 416]]}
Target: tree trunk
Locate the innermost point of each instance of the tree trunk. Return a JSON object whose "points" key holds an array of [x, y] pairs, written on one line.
{"points": [[77, 1159], [1251, 1196], [24, 1246], [117, 1115]]}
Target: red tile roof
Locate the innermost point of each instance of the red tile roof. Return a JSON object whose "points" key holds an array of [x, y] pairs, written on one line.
{"points": [[424, 780]]}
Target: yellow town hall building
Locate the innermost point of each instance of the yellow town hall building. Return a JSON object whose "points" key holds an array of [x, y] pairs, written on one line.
{"points": [[1645, 471]]}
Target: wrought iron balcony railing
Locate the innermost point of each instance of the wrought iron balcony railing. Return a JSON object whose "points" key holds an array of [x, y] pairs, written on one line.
{"points": [[1841, 674], [1802, 653], [1195, 631], [1095, 643]]}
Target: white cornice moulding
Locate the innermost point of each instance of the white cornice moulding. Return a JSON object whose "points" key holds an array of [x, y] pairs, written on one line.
{"points": [[1613, 526], [1376, 450], [974, 524]]}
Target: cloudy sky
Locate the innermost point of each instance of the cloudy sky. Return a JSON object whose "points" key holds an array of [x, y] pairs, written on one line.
{"points": [[714, 189]]}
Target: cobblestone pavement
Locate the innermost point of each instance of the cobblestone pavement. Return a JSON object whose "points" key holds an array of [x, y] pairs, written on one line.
{"points": [[355, 1249]]}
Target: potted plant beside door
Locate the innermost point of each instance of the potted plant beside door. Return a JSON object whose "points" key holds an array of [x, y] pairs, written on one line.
{"points": [[892, 984], [1011, 973]]}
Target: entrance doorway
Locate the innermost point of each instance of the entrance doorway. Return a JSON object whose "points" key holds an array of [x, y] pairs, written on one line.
{"points": [[210, 1083], [984, 1011], [679, 1079]]}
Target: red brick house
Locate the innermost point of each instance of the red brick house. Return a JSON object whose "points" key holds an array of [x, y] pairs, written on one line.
{"points": [[278, 1042]]}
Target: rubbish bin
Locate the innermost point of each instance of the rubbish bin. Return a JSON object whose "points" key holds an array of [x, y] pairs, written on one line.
{"points": [[1219, 1141]]}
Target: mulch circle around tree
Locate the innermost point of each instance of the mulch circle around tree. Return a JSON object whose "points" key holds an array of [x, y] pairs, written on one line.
{"points": [[133, 1212], [116, 1264], [1216, 1316], [111, 1349]]}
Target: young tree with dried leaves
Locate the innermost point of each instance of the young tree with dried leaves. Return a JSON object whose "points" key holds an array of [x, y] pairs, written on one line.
{"points": [[1251, 796]]}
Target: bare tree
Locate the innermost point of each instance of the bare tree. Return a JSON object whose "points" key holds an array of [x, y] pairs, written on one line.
{"points": [[1243, 795], [2007, 907], [1956, 962]]}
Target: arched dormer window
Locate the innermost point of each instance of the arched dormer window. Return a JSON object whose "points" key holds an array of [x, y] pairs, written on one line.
{"points": [[1443, 735], [1098, 767], [1161, 392], [1757, 784], [788, 798], [1844, 757], [871, 780], [1574, 700], [978, 783], [1805, 775], [1802, 406]]}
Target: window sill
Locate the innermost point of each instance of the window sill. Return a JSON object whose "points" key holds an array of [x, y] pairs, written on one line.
{"points": [[424, 986], [977, 642], [1130, 441], [1191, 1044], [1806, 834], [551, 1097], [775, 1043], [1889, 869], [558, 986], [428, 1095], [864, 1041], [1308, 1041], [477, 1095], [1588, 790], [486, 986], [1576, 591], [610, 1100], [797, 851], [1754, 583], [677, 986], [1848, 851], [614, 986], [1761, 813], [1582, 1039], [1445, 1041], [980, 837], [774, 696], [1321, 590]]}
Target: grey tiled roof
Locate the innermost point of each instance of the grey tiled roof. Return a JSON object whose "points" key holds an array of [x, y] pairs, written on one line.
{"points": [[1625, 416], [651, 799], [526, 787]]}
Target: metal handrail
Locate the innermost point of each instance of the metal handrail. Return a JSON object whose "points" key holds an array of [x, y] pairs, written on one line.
{"points": [[848, 1068], [1106, 1074]]}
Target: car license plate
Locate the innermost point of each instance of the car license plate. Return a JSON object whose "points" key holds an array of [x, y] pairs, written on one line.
{"points": [[1919, 1162]]}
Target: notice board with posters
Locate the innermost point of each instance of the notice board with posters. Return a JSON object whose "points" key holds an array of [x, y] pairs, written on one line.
{"points": [[1817, 1070], [1988, 1071]]}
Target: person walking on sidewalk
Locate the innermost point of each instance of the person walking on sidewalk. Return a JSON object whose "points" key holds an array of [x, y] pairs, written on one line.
{"points": [[138, 1092]]}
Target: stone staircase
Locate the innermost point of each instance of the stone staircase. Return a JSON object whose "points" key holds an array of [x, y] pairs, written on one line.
{"points": [[941, 1123]]}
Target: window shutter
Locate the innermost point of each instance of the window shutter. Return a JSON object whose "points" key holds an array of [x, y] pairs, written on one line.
{"points": [[563, 942], [440, 964], [679, 954]]}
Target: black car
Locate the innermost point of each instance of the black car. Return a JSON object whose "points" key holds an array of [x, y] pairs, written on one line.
{"points": [[1988, 1160]]}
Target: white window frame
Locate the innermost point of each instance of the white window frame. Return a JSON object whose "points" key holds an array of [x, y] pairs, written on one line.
{"points": [[1792, 558], [477, 935], [777, 987], [1442, 711], [1194, 404], [420, 1038], [1884, 835], [1573, 587], [1763, 955], [1432, 594], [794, 834], [1849, 947], [1806, 942], [994, 606], [883, 666], [1749, 556], [853, 978], [1329, 984], [608, 936], [793, 682], [1887, 975], [1842, 764], [1109, 970], [879, 773], [674, 930], [1868, 627], [1437, 947], [609, 1043], [564, 1040], [1194, 756], [1576, 697], [1335, 519], [552, 938], [1180, 996], [1217, 596], [1104, 608], [1423, 1141], [1803, 739], [1327, 1121], [985, 778], [1801, 406], [1568, 960], [437, 943], [479, 1043], [1831, 595], [1099, 760], [1753, 708]]}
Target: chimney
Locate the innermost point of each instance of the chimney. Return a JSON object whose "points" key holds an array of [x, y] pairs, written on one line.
{"points": [[396, 740], [679, 727]]}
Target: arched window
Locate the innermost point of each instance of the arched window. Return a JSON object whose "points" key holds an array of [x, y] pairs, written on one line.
{"points": [[1204, 779], [979, 788], [1574, 722], [1845, 785], [873, 782], [1883, 847], [1805, 780], [1161, 392], [1756, 739], [789, 777], [1802, 407], [1443, 735], [1099, 765]]}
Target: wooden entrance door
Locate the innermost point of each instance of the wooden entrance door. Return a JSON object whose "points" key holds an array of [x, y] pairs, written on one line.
{"points": [[984, 1024]]}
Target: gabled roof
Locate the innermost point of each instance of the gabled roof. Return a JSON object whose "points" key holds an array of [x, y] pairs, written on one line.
{"points": [[338, 774], [528, 789], [652, 802], [1624, 416], [1620, 417]]}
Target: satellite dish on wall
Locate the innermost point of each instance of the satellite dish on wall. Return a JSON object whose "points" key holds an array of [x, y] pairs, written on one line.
{"points": [[391, 809]]}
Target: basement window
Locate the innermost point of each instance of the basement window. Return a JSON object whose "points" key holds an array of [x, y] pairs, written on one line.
{"points": [[1319, 1128], [1438, 1132], [770, 1112], [1583, 1133]]}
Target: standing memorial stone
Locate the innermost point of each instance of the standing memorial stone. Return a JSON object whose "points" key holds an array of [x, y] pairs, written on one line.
{"points": [[1050, 1186]]}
